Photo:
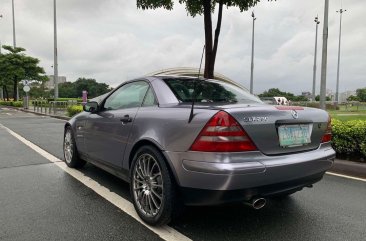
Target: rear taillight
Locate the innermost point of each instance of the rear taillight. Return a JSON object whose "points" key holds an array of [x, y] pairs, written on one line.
{"points": [[328, 133], [223, 134]]}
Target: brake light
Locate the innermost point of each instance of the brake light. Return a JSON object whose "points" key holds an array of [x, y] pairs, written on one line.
{"points": [[223, 134], [328, 133]]}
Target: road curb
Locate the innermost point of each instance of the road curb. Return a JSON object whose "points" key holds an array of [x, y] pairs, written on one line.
{"points": [[349, 168], [42, 114], [37, 113]]}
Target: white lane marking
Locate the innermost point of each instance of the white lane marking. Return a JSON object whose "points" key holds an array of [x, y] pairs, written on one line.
{"points": [[345, 176], [165, 232], [8, 113]]}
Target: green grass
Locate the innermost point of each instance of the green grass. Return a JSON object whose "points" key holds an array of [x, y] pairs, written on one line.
{"points": [[348, 117], [349, 113]]}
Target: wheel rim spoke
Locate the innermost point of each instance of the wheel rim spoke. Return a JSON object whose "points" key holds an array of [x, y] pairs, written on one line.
{"points": [[157, 195], [146, 165], [141, 168], [139, 174], [156, 185], [150, 205], [152, 169], [139, 181], [154, 201], [138, 188], [155, 176]]}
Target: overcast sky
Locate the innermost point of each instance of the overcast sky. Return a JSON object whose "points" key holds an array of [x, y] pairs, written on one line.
{"points": [[112, 40]]}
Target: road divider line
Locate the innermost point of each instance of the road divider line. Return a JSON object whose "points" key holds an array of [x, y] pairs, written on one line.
{"points": [[165, 232], [346, 176]]}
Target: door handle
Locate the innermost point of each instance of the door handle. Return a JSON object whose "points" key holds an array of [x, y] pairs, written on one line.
{"points": [[126, 119]]}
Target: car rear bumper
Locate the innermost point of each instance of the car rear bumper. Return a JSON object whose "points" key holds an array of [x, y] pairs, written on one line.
{"points": [[247, 171], [199, 197]]}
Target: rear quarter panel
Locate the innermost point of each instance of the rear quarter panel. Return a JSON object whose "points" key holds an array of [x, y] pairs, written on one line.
{"points": [[167, 128]]}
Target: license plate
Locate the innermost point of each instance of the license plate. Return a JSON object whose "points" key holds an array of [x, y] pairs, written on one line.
{"points": [[294, 135]]}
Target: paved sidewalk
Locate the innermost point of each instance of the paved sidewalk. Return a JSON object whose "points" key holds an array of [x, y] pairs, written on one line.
{"points": [[30, 110]]}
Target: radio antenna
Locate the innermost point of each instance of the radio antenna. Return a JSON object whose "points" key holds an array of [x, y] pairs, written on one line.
{"points": [[194, 86]]}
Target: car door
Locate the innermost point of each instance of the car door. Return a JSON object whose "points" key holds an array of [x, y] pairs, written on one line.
{"points": [[107, 131]]}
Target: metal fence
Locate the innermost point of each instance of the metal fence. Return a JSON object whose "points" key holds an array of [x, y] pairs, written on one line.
{"points": [[52, 107], [353, 106]]}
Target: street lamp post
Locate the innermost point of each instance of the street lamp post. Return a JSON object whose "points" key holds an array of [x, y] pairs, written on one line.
{"points": [[1, 16], [55, 64], [14, 38], [315, 53], [1, 88], [323, 80], [252, 62], [339, 52]]}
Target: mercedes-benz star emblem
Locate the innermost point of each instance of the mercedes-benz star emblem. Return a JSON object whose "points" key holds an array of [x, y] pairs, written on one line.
{"points": [[294, 114]]}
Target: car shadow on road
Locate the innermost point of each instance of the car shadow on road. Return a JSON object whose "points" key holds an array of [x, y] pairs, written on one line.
{"points": [[113, 183], [280, 219]]}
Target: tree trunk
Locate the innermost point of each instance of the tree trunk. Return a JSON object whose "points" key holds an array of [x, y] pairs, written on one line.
{"points": [[217, 34], [211, 48], [15, 87], [6, 93], [208, 38]]}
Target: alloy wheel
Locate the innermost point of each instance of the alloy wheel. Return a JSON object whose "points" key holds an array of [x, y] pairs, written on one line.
{"points": [[148, 185], [68, 146]]}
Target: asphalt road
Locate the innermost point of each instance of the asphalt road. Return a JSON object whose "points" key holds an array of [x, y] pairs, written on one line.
{"points": [[40, 201]]}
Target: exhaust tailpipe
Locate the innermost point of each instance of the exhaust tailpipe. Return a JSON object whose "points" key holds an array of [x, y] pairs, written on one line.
{"points": [[257, 203]]}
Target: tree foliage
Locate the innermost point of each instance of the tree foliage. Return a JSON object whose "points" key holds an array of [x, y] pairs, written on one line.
{"points": [[361, 94], [327, 98], [205, 8], [74, 89], [16, 66], [353, 98], [275, 92]]}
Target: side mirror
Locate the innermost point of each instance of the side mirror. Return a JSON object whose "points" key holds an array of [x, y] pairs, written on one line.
{"points": [[91, 107]]}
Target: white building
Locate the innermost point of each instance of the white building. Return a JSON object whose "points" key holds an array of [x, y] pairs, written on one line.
{"points": [[329, 93], [51, 83], [343, 96]]}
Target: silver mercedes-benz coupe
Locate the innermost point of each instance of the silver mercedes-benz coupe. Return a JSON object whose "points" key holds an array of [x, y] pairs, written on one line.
{"points": [[188, 141]]}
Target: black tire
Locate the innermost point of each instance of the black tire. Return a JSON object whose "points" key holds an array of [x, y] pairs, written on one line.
{"points": [[71, 155], [170, 205]]}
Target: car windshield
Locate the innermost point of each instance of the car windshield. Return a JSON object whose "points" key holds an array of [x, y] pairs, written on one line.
{"points": [[209, 91]]}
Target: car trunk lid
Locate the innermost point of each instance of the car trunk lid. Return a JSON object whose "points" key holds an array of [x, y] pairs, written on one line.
{"points": [[266, 124]]}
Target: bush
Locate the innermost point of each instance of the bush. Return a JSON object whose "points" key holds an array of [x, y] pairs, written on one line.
{"points": [[12, 103], [18, 103], [74, 109], [349, 137]]}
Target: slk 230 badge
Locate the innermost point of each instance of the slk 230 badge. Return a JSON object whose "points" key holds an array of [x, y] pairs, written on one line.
{"points": [[255, 119]]}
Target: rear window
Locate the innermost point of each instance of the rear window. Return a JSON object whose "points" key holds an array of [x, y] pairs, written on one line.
{"points": [[209, 91]]}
